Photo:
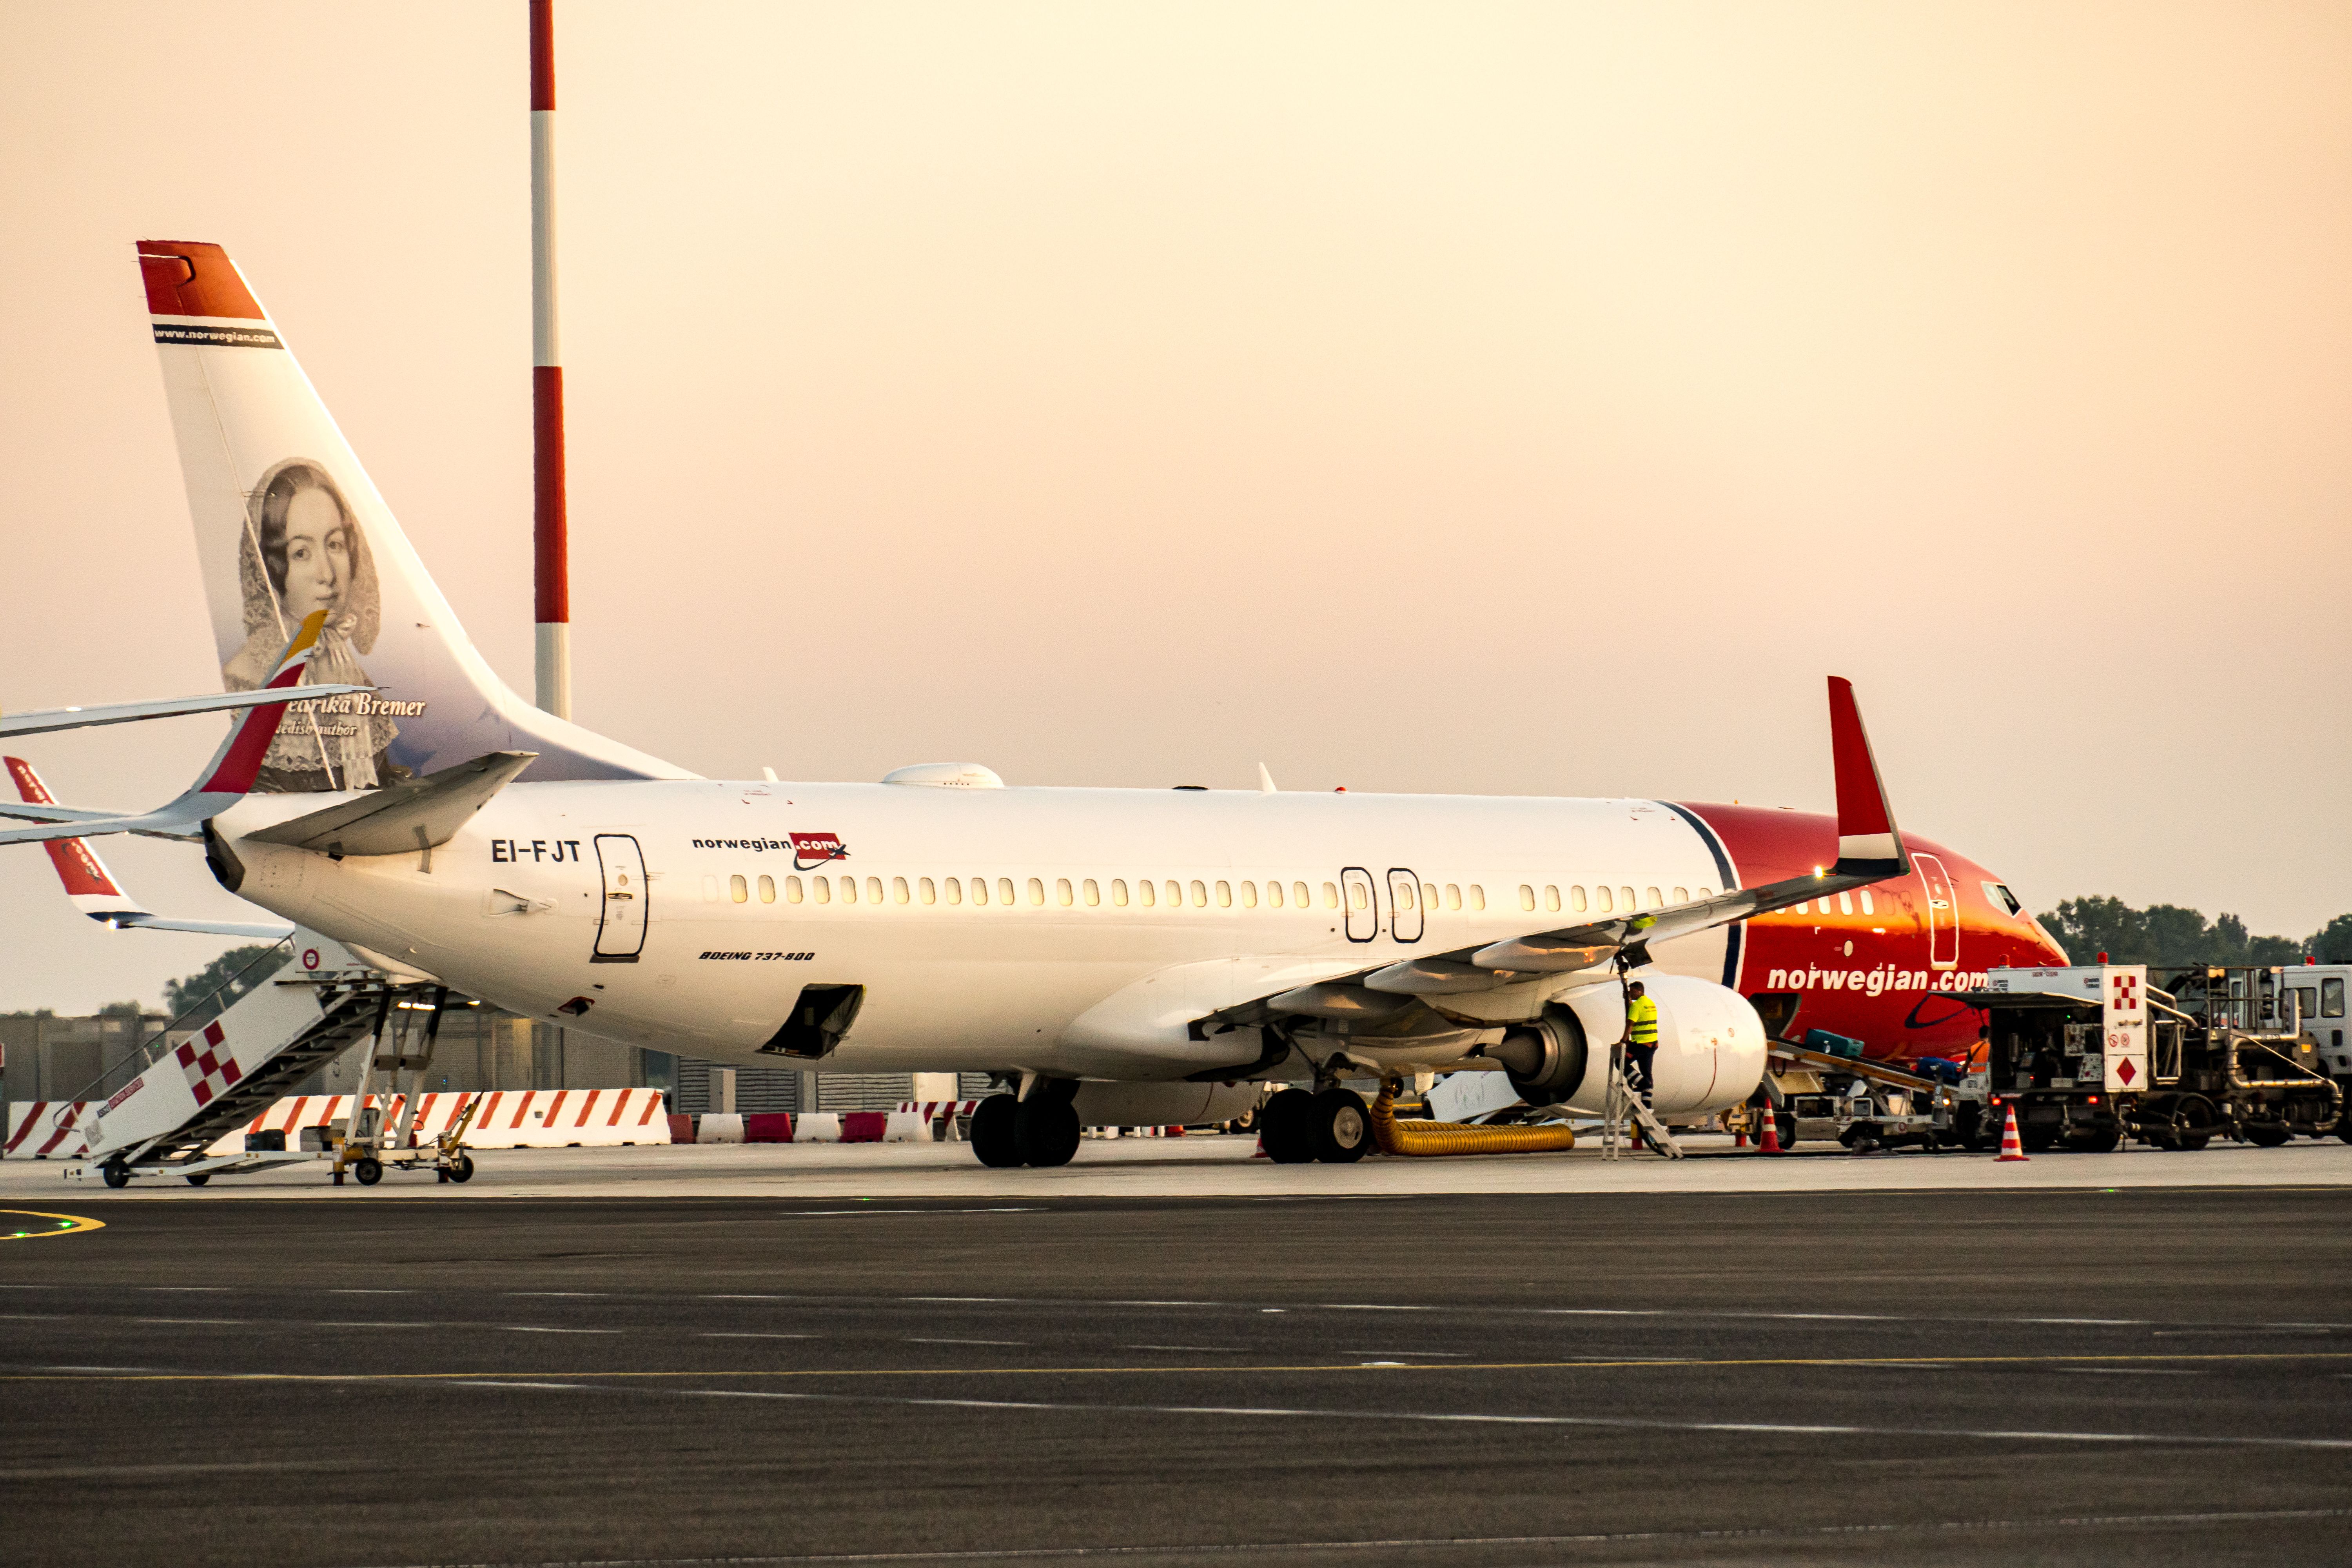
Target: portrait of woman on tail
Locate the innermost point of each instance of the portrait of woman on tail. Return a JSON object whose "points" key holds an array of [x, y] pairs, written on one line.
{"points": [[302, 549]]}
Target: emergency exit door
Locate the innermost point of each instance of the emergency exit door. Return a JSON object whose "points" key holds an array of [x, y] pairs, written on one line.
{"points": [[1943, 912], [621, 921], [1405, 914], [1362, 903]]}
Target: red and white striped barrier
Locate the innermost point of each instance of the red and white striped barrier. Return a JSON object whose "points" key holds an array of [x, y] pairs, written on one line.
{"points": [[508, 1119], [44, 1129], [932, 1110]]}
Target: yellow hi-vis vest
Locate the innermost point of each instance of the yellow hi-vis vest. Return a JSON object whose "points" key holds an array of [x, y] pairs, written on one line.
{"points": [[1642, 1022]]}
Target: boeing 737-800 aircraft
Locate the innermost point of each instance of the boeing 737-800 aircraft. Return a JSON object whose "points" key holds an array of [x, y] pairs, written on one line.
{"points": [[1139, 955]]}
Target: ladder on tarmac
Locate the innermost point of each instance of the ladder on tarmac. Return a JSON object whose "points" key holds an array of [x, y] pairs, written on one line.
{"points": [[290, 1012], [1625, 1104]]}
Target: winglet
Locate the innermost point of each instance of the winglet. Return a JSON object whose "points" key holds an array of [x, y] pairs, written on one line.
{"points": [[1868, 842], [238, 761], [87, 883]]}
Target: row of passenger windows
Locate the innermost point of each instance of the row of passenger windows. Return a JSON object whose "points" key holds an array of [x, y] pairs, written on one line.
{"points": [[1844, 905], [1604, 900], [1149, 893]]}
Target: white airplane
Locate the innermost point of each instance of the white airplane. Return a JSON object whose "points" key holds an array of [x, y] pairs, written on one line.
{"points": [[1112, 955]]}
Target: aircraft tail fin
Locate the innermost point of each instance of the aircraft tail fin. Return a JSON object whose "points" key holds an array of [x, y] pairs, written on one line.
{"points": [[287, 522], [92, 888], [87, 883]]}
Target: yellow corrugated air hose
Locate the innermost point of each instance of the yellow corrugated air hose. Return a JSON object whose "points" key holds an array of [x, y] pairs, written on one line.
{"points": [[1395, 1137]]}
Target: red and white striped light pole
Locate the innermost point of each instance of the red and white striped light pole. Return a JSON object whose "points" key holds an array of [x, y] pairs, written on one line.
{"points": [[550, 547]]}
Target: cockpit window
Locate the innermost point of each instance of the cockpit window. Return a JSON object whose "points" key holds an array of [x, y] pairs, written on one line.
{"points": [[2003, 900]]}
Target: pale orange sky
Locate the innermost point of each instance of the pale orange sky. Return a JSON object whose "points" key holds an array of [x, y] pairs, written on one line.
{"points": [[1503, 399]]}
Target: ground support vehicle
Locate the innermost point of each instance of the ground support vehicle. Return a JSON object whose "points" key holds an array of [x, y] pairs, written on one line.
{"points": [[2319, 999], [1864, 1105], [211, 1072], [2248, 1042], [404, 1047], [2091, 1054]]}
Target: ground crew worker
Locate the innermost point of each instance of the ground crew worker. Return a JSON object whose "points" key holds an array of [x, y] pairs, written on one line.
{"points": [[1641, 1040]]}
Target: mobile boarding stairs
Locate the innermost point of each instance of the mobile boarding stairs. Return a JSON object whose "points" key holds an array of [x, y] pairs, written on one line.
{"points": [[295, 1008]]}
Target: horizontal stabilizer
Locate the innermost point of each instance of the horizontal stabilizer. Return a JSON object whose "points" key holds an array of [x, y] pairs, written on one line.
{"points": [[136, 919], [413, 814], [41, 721]]}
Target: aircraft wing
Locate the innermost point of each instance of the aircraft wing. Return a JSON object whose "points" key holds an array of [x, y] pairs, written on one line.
{"points": [[41, 721], [1870, 849], [225, 779]]}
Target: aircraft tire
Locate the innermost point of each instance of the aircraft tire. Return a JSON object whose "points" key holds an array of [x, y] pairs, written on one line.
{"points": [[995, 1138], [1342, 1126], [1287, 1126], [1047, 1130]]}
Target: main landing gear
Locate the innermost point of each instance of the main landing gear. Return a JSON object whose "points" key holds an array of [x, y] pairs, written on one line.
{"points": [[1042, 1129], [1331, 1125]]}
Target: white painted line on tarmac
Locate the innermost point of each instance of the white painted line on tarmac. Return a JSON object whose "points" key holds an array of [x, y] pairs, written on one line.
{"points": [[363, 1324], [181, 1320], [554, 1293], [815, 1214], [362, 1290], [1292, 1549], [1013, 1344], [1373, 1307], [535, 1329], [2133, 1371], [1216, 1350], [1485, 1419]]}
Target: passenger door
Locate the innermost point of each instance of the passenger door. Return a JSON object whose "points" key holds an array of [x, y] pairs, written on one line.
{"points": [[621, 921], [1362, 902], [1943, 913], [1405, 914]]}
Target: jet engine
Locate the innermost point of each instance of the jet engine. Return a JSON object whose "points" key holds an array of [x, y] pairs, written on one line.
{"points": [[1711, 1046]]}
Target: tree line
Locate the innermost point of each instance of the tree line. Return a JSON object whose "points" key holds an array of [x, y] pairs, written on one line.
{"points": [[2168, 933]]}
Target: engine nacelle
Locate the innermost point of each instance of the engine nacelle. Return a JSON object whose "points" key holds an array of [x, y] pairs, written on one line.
{"points": [[1711, 1048]]}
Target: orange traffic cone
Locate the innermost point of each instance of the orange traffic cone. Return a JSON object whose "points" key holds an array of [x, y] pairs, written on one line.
{"points": [[2012, 1146], [1770, 1143]]}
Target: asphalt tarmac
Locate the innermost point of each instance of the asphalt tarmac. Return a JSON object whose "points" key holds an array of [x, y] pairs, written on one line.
{"points": [[2150, 1375]]}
